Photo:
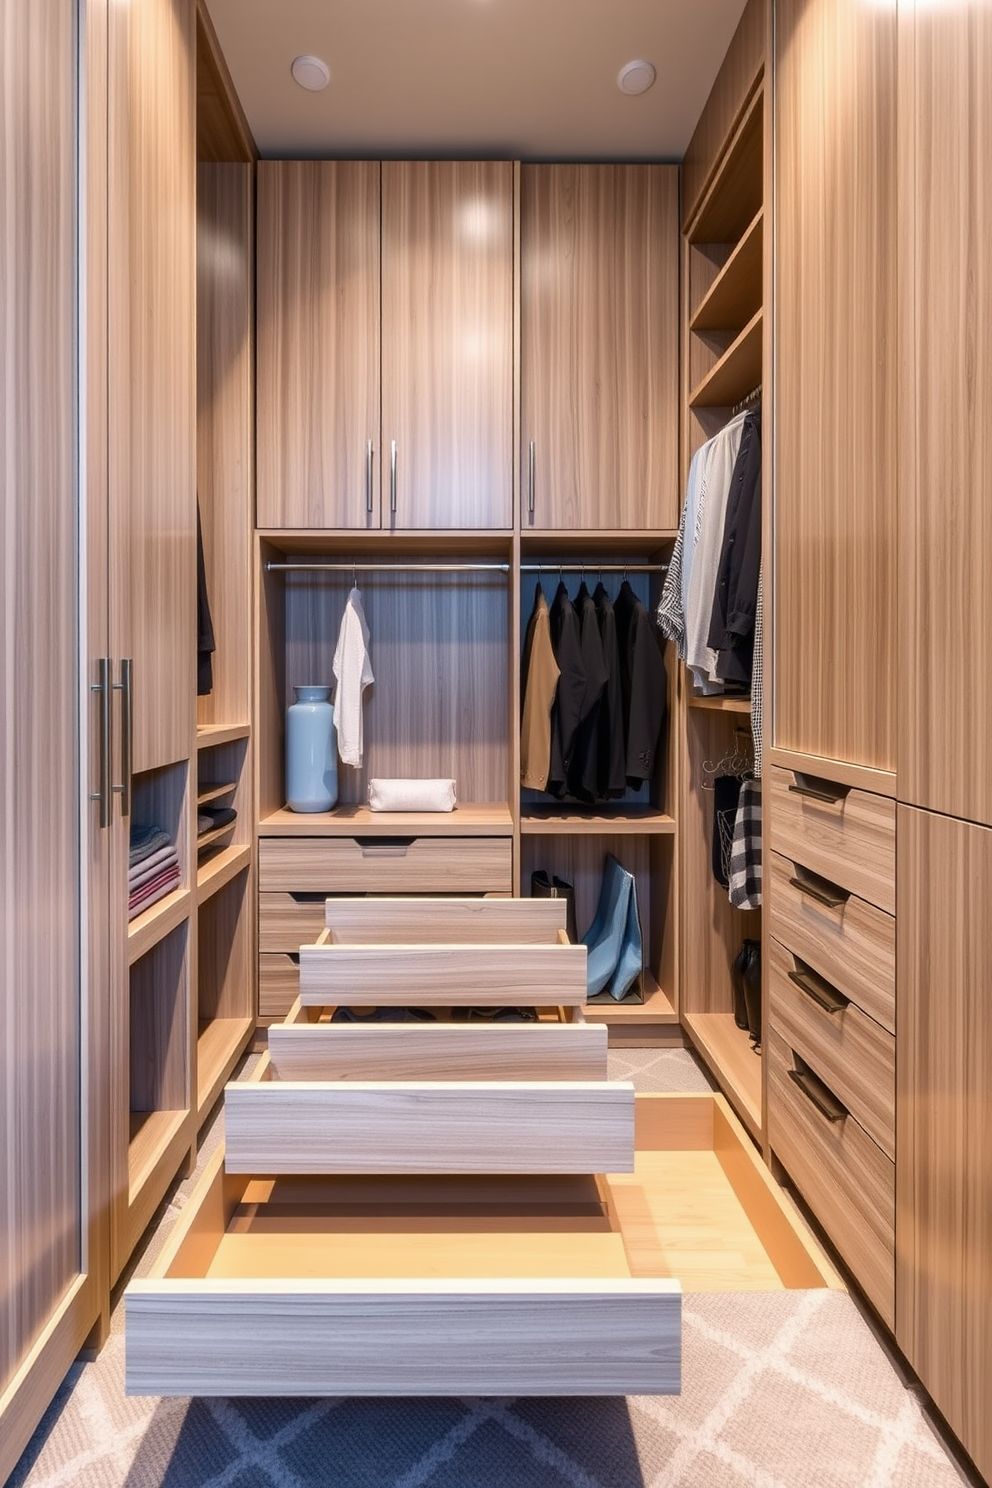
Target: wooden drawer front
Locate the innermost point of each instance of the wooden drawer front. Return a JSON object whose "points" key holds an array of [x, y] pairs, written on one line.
{"points": [[275, 1126], [443, 975], [852, 944], [445, 1051], [287, 921], [845, 1177], [854, 1054], [411, 865], [278, 984], [851, 841]]}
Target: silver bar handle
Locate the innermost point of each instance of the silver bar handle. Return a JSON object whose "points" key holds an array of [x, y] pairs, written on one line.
{"points": [[530, 479], [125, 688], [368, 476], [392, 476], [102, 794]]}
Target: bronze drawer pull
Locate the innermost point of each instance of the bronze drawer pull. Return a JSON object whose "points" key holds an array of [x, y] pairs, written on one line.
{"points": [[814, 1090], [818, 989], [820, 889], [816, 789]]}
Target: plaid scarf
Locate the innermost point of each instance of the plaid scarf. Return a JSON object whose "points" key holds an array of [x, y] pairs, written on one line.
{"points": [[745, 855]]}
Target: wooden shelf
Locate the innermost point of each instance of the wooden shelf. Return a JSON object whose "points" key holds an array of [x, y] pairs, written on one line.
{"points": [[730, 1055], [634, 821], [656, 1008], [219, 1045], [736, 373], [486, 819], [209, 735], [154, 924], [151, 1133], [208, 838], [736, 190], [736, 292], [215, 792], [739, 705], [382, 545], [577, 541], [218, 871]]}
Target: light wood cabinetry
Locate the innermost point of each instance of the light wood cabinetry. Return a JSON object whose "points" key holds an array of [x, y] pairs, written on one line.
{"points": [[599, 346], [318, 343], [944, 1118], [447, 344], [836, 329]]}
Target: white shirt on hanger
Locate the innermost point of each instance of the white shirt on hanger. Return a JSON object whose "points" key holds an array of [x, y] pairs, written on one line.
{"points": [[719, 469], [353, 673]]}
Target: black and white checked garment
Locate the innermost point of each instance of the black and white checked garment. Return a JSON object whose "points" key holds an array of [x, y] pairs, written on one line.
{"points": [[745, 855]]}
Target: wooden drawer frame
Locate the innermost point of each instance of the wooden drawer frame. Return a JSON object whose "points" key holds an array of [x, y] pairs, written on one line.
{"points": [[850, 840], [384, 865], [570, 1292]]}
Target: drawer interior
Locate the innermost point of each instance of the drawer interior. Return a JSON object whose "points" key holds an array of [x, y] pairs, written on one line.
{"points": [[699, 1206]]}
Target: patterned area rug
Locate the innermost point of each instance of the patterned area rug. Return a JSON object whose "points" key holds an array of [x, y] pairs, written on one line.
{"points": [[780, 1390]]}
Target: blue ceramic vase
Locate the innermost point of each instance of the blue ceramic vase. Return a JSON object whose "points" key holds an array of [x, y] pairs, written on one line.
{"points": [[311, 751]]}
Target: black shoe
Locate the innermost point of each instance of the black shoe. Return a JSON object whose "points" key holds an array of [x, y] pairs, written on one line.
{"points": [[543, 887], [737, 982], [752, 991]]}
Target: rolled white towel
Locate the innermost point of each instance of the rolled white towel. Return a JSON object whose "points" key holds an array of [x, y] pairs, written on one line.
{"points": [[412, 795]]}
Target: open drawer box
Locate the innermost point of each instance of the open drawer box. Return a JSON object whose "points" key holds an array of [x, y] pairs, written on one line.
{"points": [[529, 1285]]}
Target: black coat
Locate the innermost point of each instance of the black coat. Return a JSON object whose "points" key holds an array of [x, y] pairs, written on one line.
{"points": [[643, 685], [567, 712], [583, 774], [731, 633]]}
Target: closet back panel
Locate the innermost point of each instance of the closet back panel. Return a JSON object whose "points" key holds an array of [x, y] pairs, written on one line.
{"points": [[734, 82], [438, 645], [836, 485]]}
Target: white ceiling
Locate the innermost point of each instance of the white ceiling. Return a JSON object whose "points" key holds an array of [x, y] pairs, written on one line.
{"points": [[530, 79]]}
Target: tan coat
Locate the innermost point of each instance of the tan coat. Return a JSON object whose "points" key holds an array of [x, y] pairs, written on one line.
{"points": [[540, 682]]}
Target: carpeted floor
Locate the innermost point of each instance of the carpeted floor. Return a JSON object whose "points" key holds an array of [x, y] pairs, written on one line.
{"points": [[780, 1390]]}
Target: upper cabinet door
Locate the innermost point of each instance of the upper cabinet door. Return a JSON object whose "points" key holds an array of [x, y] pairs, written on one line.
{"points": [[599, 346], [945, 435], [151, 83], [447, 344], [318, 343]]}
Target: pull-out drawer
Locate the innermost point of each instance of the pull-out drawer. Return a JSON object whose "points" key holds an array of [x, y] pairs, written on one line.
{"points": [[443, 975], [854, 1054], [842, 937], [845, 1177], [278, 983], [427, 1126], [308, 1046], [843, 834], [287, 921], [471, 1285], [385, 865]]}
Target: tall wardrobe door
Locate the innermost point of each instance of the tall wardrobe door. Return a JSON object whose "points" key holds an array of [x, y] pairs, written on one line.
{"points": [[47, 1291], [836, 489], [318, 343], [944, 1118], [599, 345], [447, 344], [152, 354], [945, 733]]}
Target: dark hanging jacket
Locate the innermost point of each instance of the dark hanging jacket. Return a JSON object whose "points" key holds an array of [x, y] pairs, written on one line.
{"points": [[611, 782], [567, 712], [583, 775], [731, 633], [205, 644], [643, 685]]}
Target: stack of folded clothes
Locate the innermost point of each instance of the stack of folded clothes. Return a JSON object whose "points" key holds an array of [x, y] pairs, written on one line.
{"points": [[211, 818], [153, 868]]}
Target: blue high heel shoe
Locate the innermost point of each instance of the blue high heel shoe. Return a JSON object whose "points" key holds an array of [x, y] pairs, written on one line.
{"points": [[630, 962], [604, 938]]}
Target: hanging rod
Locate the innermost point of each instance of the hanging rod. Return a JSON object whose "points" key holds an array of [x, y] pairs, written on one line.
{"points": [[504, 568], [746, 401]]}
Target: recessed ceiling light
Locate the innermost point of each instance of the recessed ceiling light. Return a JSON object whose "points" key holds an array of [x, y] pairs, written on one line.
{"points": [[311, 72], [636, 77]]}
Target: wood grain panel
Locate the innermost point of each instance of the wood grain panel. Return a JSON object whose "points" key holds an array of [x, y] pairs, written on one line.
{"points": [[42, 1222], [855, 1055], [442, 976], [438, 706], [944, 1119], [473, 1126], [286, 922], [278, 984], [851, 840], [945, 756], [734, 83], [317, 341], [225, 445], [468, 921], [599, 345], [494, 1051], [447, 343], [851, 944], [836, 486], [845, 1178], [422, 865], [222, 131], [152, 275]]}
